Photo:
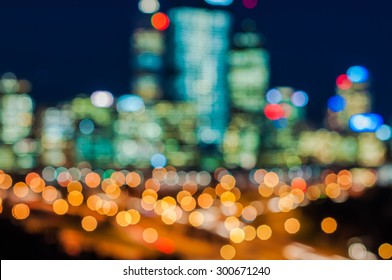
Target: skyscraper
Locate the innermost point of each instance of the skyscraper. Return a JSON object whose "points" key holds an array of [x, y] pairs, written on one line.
{"points": [[17, 148], [248, 79], [198, 47], [147, 48]]}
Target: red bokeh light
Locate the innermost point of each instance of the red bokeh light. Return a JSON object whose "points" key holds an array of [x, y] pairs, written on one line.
{"points": [[160, 21], [165, 245], [274, 111], [343, 82]]}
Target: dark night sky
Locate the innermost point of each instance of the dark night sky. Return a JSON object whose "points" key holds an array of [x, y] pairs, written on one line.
{"points": [[67, 48]]}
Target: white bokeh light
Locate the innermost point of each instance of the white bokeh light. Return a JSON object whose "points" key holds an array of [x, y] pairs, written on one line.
{"points": [[149, 6], [102, 99]]}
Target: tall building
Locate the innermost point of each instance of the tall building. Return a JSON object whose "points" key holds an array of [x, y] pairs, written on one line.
{"points": [[57, 134], [137, 135], [197, 51], [248, 79], [17, 147], [94, 130], [352, 97], [147, 49]]}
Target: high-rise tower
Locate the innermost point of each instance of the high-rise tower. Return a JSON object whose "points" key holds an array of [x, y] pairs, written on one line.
{"points": [[198, 47]]}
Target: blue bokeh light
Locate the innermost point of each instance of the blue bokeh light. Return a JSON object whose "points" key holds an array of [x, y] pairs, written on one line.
{"points": [[130, 103], [365, 122], [158, 161], [274, 96], [299, 98], [336, 103], [219, 2], [86, 126], [281, 123], [384, 132], [358, 74]]}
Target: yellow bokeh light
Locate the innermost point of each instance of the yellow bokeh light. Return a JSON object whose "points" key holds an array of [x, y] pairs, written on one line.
{"points": [[133, 179], [345, 179], [113, 209], [158, 209], [297, 195], [292, 225], [236, 192], [227, 252], [283, 190], [210, 191], [219, 190], [329, 225], [227, 198], [116, 192], [50, 194], [271, 179], [313, 193], [30, 176], [168, 202], [110, 188], [147, 205], [264, 232], [37, 185], [196, 218], [89, 223], [74, 186], [106, 207], [188, 203], [106, 183], [286, 204], [205, 200], [237, 235], [332, 190], [249, 213], [123, 218], [150, 235], [94, 202], [182, 194], [92, 180], [265, 191], [5, 181], [385, 251], [231, 223], [169, 216], [60, 206], [135, 215], [152, 184], [250, 233], [228, 182], [75, 198], [20, 211], [119, 178], [330, 179], [20, 190]]}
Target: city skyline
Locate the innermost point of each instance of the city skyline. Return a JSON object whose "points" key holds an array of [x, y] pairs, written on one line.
{"points": [[188, 133], [300, 57]]}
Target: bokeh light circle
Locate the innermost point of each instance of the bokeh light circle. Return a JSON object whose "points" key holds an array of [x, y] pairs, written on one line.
{"points": [[358, 74], [160, 21], [336, 103], [102, 99], [149, 6], [299, 98]]}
